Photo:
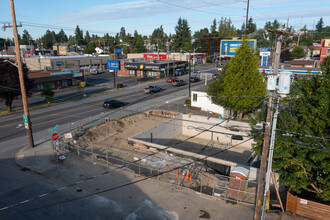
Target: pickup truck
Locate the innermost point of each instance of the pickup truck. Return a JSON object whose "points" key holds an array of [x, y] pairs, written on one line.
{"points": [[178, 82], [152, 89]]}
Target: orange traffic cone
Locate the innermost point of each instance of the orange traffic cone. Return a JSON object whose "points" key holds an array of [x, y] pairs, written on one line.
{"points": [[190, 179], [186, 179], [177, 173]]}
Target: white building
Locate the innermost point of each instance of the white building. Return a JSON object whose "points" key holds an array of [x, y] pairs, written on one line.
{"points": [[200, 99]]}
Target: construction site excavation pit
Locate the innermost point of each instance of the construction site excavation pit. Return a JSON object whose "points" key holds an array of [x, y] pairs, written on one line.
{"points": [[198, 152]]}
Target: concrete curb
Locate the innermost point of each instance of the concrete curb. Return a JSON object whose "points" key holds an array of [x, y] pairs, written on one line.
{"points": [[21, 165]]}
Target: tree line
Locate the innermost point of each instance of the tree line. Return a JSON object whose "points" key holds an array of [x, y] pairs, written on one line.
{"points": [[206, 39]]}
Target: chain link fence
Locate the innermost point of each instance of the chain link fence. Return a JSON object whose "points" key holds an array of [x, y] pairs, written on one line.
{"points": [[192, 175]]}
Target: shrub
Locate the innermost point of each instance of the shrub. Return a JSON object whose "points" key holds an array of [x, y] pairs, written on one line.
{"points": [[187, 102], [120, 85]]}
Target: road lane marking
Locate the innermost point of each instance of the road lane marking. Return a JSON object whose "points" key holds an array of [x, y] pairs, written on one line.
{"points": [[72, 109]]}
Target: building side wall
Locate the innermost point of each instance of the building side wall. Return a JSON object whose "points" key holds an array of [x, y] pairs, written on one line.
{"points": [[193, 125], [205, 103], [162, 133]]}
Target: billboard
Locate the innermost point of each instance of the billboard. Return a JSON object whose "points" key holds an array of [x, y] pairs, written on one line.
{"points": [[111, 65], [151, 56], [228, 47]]}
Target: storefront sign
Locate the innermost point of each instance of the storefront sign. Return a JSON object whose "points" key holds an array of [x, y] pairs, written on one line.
{"points": [[155, 56], [77, 74], [111, 65], [64, 72]]}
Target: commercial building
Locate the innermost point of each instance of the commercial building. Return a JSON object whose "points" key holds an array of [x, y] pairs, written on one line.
{"points": [[57, 78], [195, 58], [151, 68], [85, 62]]}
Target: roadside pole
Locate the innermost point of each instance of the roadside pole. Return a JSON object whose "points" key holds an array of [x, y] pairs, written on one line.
{"points": [[28, 124], [168, 64], [115, 71], [262, 172], [189, 72]]}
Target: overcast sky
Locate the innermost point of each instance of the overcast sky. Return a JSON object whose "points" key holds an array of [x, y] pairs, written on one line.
{"points": [[101, 16]]}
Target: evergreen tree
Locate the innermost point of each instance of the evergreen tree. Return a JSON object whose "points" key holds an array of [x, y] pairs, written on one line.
{"points": [[275, 24], [87, 37], [26, 39], [319, 26], [54, 37], [302, 162], [213, 29], [243, 85], [268, 25], [47, 40], [90, 49], [122, 33], [79, 36], [182, 38], [61, 37], [226, 28], [251, 27]]}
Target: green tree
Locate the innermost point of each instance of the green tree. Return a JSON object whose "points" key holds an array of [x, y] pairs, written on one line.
{"points": [[90, 48], [79, 36], [54, 37], [213, 28], [297, 52], [251, 27], [319, 26], [47, 40], [26, 39], [48, 93], [182, 38], [10, 84], [226, 28], [61, 37], [302, 162], [137, 44], [87, 37], [243, 85], [158, 36]]}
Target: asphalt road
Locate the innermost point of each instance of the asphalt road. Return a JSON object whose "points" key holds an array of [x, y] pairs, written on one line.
{"points": [[17, 185]]}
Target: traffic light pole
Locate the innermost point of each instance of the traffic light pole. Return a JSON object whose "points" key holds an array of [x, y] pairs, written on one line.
{"points": [[21, 76]]}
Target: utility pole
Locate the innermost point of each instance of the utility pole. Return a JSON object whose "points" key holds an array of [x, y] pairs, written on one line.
{"points": [[115, 71], [247, 16], [21, 76], [168, 64], [189, 72], [262, 172]]}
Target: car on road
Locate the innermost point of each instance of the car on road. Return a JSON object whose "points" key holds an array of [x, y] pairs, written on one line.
{"points": [[179, 82], [196, 71], [152, 89], [171, 79], [194, 79], [111, 103]]}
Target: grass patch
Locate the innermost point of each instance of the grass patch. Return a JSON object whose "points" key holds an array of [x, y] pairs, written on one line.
{"points": [[57, 103]]}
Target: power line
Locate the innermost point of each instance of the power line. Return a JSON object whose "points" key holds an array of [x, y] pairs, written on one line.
{"points": [[91, 178]]}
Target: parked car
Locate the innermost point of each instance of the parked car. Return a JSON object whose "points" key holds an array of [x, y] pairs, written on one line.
{"points": [[178, 82], [171, 79], [152, 89], [111, 103], [194, 79]]}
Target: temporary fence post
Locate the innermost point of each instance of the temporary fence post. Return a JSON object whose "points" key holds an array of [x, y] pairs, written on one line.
{"points": [[92, 153], [107, 156], [139, 170], [201, 185]]}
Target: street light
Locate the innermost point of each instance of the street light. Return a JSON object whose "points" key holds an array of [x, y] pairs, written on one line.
{"points": [[194, 58]]}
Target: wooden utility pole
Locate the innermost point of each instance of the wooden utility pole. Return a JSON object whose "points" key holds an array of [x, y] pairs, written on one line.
{"points": [[168, 63], [247, 16], [28, 124], [115, 71], [189, 63], [263, 165]]}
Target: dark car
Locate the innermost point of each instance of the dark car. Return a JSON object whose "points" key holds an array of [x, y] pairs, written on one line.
{"points": [[178, 82], [152, 89], [111, 103], [194, 79]]}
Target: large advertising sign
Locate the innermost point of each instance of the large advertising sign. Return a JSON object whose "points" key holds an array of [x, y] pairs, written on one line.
{"points": [[111, 65], [152, 56], [228, 47]]}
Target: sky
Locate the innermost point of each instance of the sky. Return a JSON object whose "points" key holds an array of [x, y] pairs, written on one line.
{"points": [[101, 16]]}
